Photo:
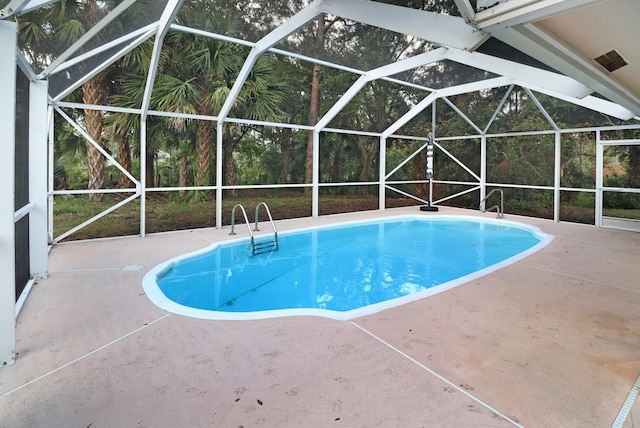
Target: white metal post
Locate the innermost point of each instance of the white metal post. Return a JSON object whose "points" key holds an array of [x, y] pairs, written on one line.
{"points": [[433, 139], [219, 154], [483, 167], [38, 130], [315, 181], [143, 175], [556, 178], [599, 179], [430, 167], [8, 40], [383, 166], [50, 172]]}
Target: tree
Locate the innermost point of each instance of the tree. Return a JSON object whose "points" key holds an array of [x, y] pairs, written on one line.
{"points": [[294, 78], [323, 25], [170, 94], [195, 76], [379, 104], [260, 99], [71, 19], [122, 129], [127, 82], [48, 32]]}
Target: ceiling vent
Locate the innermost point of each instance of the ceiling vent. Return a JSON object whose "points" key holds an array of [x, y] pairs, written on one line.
{"points": [[611, 61]]}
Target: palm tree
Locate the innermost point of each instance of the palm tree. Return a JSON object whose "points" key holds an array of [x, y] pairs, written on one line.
{"points": [[128, 89], [71, 20], [205, 78], [260, 99], [195, 75], [122, 129], [170, 94], [49, 31], [202, 75]]}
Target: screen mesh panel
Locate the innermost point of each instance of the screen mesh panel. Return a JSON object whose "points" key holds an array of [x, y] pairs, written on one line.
{"points": [[22, 181]]}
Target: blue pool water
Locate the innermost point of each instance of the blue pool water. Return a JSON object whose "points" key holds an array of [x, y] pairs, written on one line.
{"points": [[335, 271]]}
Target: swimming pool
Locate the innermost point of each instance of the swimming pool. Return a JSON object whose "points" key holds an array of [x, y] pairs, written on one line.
{"points": [[342, 271]]}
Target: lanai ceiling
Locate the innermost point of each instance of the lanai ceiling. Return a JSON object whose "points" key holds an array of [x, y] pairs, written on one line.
{"points": [[559, 47], [568, 36]]}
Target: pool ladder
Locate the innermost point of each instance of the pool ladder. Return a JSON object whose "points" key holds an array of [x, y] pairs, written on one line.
{"points": [[499, 208], [261, 246]]}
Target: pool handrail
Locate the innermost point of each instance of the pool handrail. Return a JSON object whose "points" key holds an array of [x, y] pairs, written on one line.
{"points": [[260, 247], [275, 231], [246, 220], [268, 213], [499, 208]]}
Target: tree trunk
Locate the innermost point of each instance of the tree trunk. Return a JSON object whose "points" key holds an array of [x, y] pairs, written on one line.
{"points": [[229, 165], [369, 151], [285, 145], [314, 105], [633, 172], [583, 169], [150, 173], [336, 167], [182, 180], [314, 112], [203, 149], [420, 173], [92, 94], [124, 157]]}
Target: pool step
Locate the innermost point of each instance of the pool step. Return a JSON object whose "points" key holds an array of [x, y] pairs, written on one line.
{"points": [[264, 246], [256, 247]]}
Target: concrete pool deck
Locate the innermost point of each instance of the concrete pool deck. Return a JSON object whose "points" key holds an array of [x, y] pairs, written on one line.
{"points": [[550, 341]]}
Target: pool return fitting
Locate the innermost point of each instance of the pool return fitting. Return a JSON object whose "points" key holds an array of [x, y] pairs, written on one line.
{"points": [[262, 246]]}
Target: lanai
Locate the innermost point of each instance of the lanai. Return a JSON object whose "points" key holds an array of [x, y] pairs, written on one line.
{"points": [[557, 43]]}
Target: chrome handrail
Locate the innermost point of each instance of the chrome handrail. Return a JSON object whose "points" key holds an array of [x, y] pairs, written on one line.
{"points": [[256, 247], [246, 220], [499, 209], [275, 231]]}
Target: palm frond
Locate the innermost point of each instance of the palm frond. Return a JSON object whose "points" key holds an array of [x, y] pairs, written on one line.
{"points": [[70, 31], [173, 94]]}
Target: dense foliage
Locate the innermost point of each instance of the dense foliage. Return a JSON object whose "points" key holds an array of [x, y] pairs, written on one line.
{"points": [[195, 74]]}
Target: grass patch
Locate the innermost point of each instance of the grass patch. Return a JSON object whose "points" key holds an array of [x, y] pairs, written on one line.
{"points": [[621, 213], [164, 213]]}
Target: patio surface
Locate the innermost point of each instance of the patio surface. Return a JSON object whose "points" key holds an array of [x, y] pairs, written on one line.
{"points": [[550, 341]]}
